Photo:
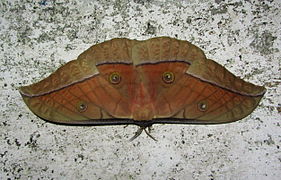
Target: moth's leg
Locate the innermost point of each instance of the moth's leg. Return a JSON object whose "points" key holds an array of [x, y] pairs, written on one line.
{"points": [[126, 125]]}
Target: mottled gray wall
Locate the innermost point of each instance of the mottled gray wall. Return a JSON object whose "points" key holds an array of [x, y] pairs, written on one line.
{"points": [[39, 36]]}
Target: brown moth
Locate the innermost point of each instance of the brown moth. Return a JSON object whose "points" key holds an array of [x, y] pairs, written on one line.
{"points": [[159, 80]]}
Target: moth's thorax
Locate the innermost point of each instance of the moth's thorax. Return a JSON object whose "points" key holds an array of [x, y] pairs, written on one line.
{"points": [[142, 105]]}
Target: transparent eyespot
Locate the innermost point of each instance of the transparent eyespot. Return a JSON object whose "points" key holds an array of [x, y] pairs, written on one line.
{"points": [[115, 78], [82, 107], [202, 106], [168, 77]]}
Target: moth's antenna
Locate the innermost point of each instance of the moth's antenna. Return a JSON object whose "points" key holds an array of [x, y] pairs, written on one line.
{"points": [[149, 135], [139, 131]]}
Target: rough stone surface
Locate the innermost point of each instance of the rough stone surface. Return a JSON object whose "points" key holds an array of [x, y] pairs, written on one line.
{"points": [[39, 36]]}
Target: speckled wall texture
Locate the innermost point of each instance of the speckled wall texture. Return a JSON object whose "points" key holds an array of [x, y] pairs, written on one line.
{"points": [[39, 36]]}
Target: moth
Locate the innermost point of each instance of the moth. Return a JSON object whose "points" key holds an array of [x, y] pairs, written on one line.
{"points": [[159, 80]]}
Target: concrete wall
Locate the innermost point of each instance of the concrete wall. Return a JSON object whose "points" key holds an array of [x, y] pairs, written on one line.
{"points": [[39, 36]]}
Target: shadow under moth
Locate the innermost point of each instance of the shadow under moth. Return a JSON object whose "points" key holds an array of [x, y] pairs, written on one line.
{"points": [[159, 80]]}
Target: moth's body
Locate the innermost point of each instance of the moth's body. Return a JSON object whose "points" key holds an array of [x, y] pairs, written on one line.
{"points": [[161, 80]]}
